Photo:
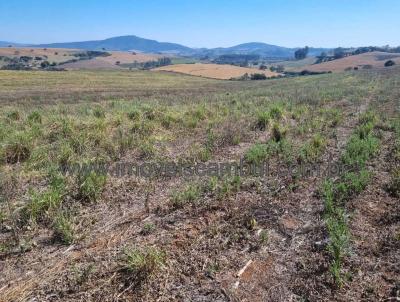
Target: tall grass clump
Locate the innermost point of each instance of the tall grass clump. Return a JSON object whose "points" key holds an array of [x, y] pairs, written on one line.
{"points": [[189, 194], [43, 205], [63, 229], [90, 185], [141, 264]]}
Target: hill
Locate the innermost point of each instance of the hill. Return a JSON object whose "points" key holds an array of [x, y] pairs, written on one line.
{"points": [[113, 61], [261, 49], [124, 43], [366, 60]]}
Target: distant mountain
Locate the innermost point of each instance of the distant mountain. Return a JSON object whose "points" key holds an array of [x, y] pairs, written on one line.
{"points": [[261, 49], [134, 43], [6, 44], [256, 48], [124, 43]]}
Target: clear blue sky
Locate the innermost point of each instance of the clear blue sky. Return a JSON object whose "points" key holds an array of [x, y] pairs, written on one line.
{"points": [[205, 23]]}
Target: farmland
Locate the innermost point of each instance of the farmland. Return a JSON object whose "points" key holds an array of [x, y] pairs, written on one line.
{"points": [[100, 236], [214, 71], [367, 60], [113, 61]]}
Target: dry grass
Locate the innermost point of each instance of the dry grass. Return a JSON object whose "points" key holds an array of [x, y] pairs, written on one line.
{"points": [[189, 238], [110, 61], [54, 54], [214, 71], [50, 87], [375, 59]]}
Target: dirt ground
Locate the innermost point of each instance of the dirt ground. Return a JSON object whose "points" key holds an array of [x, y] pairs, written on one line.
{"points": [[266, 241], [215, 71]]}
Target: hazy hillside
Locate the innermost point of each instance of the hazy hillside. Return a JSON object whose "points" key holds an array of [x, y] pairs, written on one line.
{"points": [[125, 43], [6, 44], [261, 49]]}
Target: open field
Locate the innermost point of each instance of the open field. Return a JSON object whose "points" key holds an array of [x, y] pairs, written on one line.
{"points": [[374, 59], [109, 62], [57, 55], [214, 71], [40, 87], [289, 235]]}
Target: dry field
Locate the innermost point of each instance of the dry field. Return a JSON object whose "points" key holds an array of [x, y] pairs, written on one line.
{"points": [[54, 54], [328, 232], [375, 59], [213, 71], [110, 61]]}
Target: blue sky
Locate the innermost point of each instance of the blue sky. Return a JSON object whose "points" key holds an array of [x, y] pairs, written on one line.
{"points": [[206, 23]]}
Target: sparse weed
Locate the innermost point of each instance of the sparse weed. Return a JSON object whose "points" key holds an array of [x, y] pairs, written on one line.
{"points": [[310, 151], [359, 150], [90, 185], [278, 132], [99, 112], [188, 195], [263, 237], [263, 118], [142, 264], [14, 115], [276, 112], [44, 204], [394, 185], [257, 154], [17, 148], [134, 114], [63, 229], [35, 117], [148, 228]]}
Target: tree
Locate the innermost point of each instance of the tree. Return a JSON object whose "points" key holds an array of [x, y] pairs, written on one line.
{"points": [[322, 57], [390, 63], [339, 53], [45, 64], [301, 53], [258, 76]]}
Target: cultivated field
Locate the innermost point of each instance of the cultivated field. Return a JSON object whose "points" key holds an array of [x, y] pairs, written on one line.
{"points": [[321, 225], [214, 71], [366, 60], [110, 62]]}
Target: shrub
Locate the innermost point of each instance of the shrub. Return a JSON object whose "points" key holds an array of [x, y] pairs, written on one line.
{"points": [[390, 63], [141, 264], [45, 64], [258, 76]]}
